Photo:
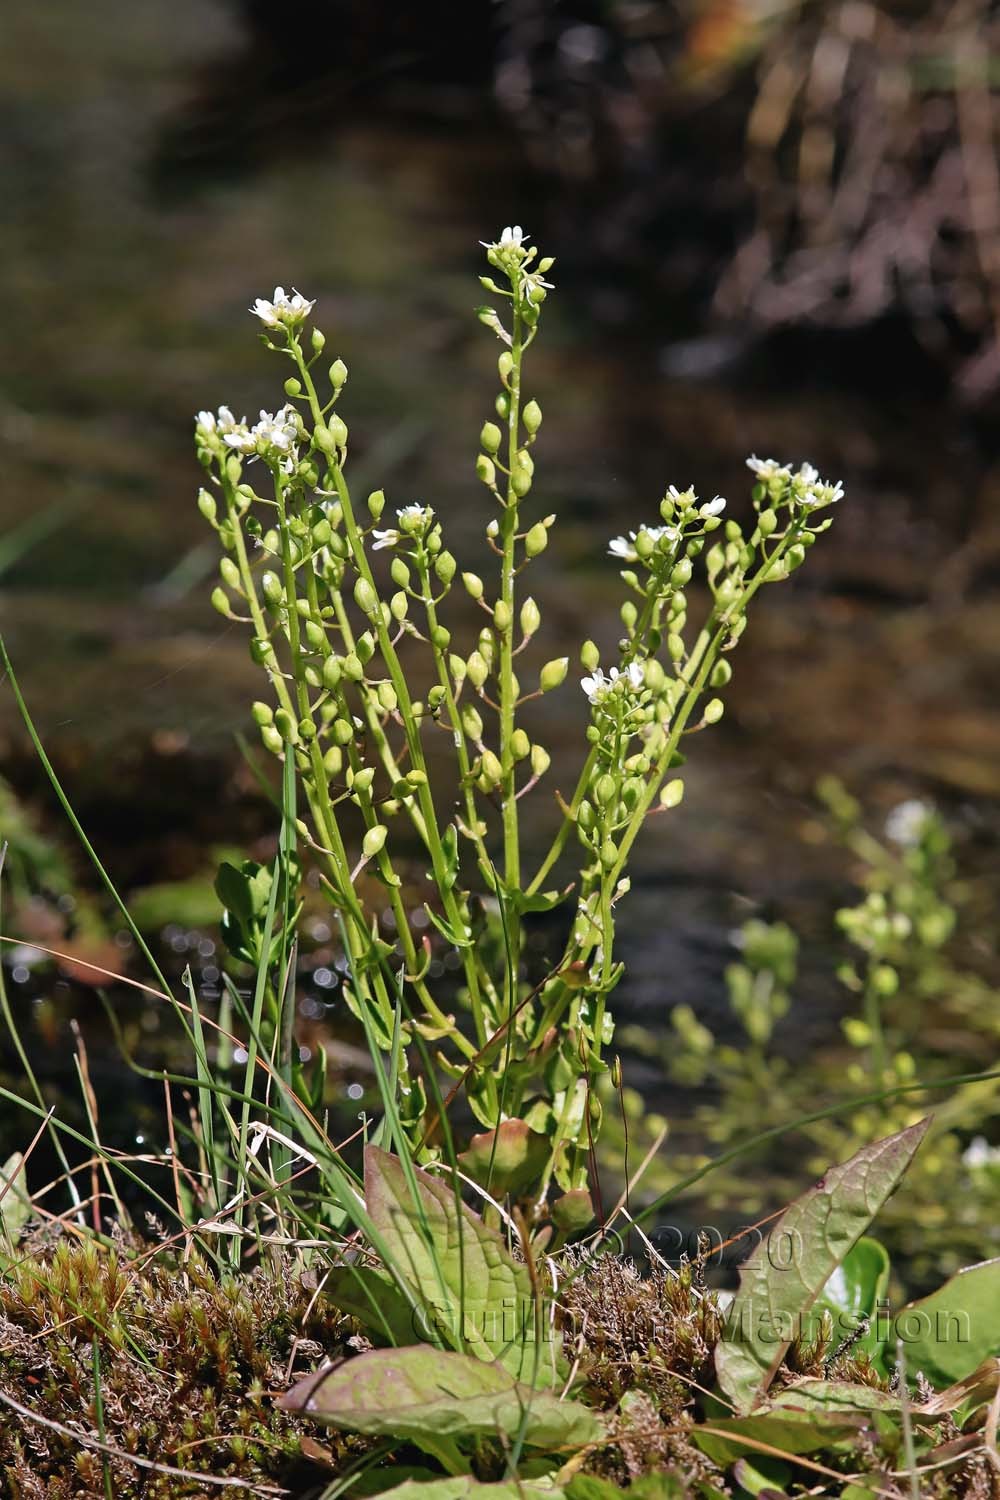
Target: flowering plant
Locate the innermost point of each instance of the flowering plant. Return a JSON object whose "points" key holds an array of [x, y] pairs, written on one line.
{"points": [[336, 637]]}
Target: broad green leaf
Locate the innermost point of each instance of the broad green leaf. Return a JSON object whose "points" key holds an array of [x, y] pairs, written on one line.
{"points": [[422, 1392], [834, 1396], [947, 1335], [15, 1203], [852, 1294], [766, 1477], [510, 1159], [728, 1438], [461, 1271], [371, 1297], [787, 1272], [465, 1487], [665, 1485]]}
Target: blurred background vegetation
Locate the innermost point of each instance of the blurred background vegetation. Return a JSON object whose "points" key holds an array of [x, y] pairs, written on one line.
{"points": [[778, 230]]}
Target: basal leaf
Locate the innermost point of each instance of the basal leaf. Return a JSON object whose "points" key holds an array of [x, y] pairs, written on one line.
{"points": [[509, 1159], [729, 1438], [947, 1335], [423, 1392], [370, 1296], [15, 1203], [472, 1289], [465, 1487], [852, 1294], [786, 1273]]}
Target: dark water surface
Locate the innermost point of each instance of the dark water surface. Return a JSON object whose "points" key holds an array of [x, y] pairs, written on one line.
{"points": [[129, 263]]}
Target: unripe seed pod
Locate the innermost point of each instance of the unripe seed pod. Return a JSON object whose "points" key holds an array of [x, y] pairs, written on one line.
{"points": [[333, 761], [491, 768], [681, 574], [338, 430], [531, 617], [207, 505], [609, 854], [489, 438], [293, 386], [605, 789], [386, 695], [721, 674], [532, 417], [374, 840], [365, 597], [585, 815], [361, 781], [486, 470], [364, 647], [471, 722], [315, 635], [311, 677], [441, 637], [261, 652], [271, 588], [536, 540], [321, 532], [285, 724], [727, 593], [885, 980], [318, 340], [331, 673], [540, 760], [398, 606], [307, 729], [629, 614], [271, 739], [233, 469], [477, 669], [342, 731], [714, 710], [590, 657], [338, 374], [795, 556], [520, 481], [767, 522], [473, 585], [553, 673], [262, 713], [502, 404], [520, 745], [654, 674], [505, 365], [399, 572], [435, 698], [352, 668], [230, 573], [456, 666], [502, 616], [672, 793], [445, 567], [220, 601]]}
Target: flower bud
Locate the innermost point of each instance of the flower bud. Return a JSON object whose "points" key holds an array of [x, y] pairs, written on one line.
{"points": [[553, 673], [338, 374], [502, 615], [318, 340], [672, 793], [445, 567], [714, 710], [206, 504], [532, 417], [486, 470], [376, 504], [365, 597], [590, 657], [374, 840], [490, 438], [531, 617], [536, 540], [540, 760]]}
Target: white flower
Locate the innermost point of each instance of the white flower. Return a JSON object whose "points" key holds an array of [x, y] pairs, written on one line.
{"points": [[282, 310], [217, 424], [279, 431], [598, 685], [768, 468], [818, 493], [712, 508], [808, 474], [636, 673], [906, 822], [513, 235], [979, 1153], [595, 686], [624, 547], [384, 539]]}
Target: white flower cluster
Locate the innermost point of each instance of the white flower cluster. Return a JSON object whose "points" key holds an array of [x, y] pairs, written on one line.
{"points": [[906, 822], [413, 520], [805, 484], [624, 547], [597, 686], [282, 311]]}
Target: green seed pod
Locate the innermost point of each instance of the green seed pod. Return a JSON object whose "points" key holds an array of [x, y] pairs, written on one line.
{"points": [[374, 840], [520, 745], [318, 340], [361, 781], [590, 657], [491, 768], [352, 668], [416, 777], [207, 505], [721, 674], [502, 616], [532, 417], [767, 522], [505, 365], [364, 646], [338, 430], [540, 760], [262, 713], [220, 601], [520, 481], [331, 673], [486, 470], [227, 535], [536, 540], [321, 532], [261, 652], [271, 739], [399, 573], [471, 722], [531, 617], [473, 585], [398, 607], [285, 725], [727, 593], [365, 597], [333, 761], [271, 588], [233, 469], [230, 573], [311, 677], [795, 556], [605, 789], [338, 374], [386, 695], [885, 980], [293, 386], [629, 614], [553, 673], [441, 637], [681, 574], [476, 669], [585, 815], [342, 731], [654, 675], [315, 635], [307, 730], [609, 854], [502, 404], [435, 698], [714, 710], [489, 438], [456, 666], [672, 793], [445, 567]]}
